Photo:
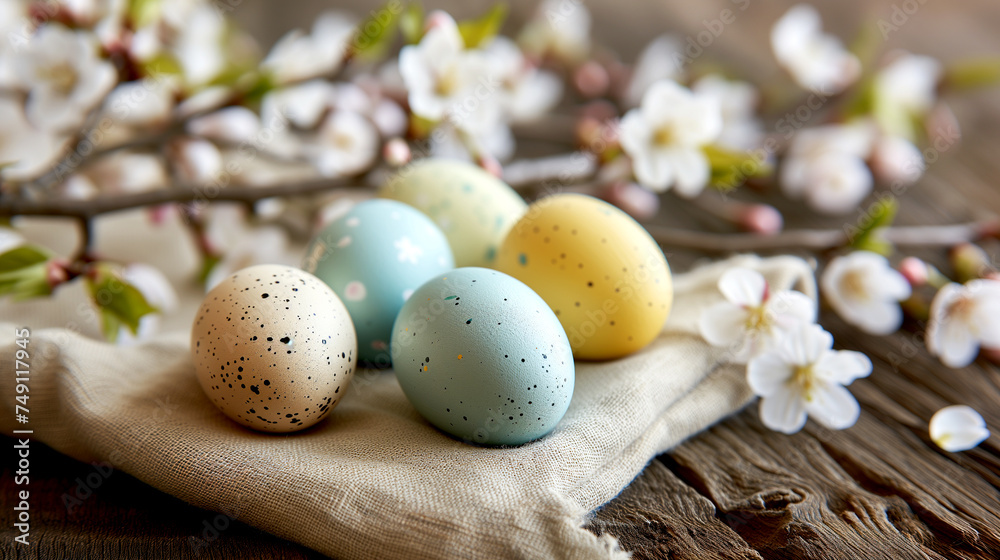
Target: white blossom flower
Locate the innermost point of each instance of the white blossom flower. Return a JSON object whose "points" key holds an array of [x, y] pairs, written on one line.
{"points": [[389, 118], [559, 28], [752, 319], [13, 15], [826, 166], [452, 143], [963, 318], [127, 172], [64, 76], [25, 151], [159, 293], [958, 428], [346, 143], [446, 80], [895, 159], [904, 91], [909, 81], [141, 102], [298, 56], [199, 43], [664, 137], [803, 376], [526, 92], [816, 60], [196, 161], [657, 62], [303, 105], [865, 290], [741, 129], [231, 124]]}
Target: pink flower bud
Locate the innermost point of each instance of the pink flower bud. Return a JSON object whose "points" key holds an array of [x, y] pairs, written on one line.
{"points": [[600, 109], [490, 164], [638, 202], [760, 218], [438, 18], [914, 270], [397, 152], [943, 130], [56, 272], [591, 79], [588, 130]]}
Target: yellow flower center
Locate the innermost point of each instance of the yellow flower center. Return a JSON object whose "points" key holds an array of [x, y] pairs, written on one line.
{"points": [[852, 284], [758, 320], [663, 136], [448, 82], [61, 76], [342, 141], [804, 378], [961, 309]]}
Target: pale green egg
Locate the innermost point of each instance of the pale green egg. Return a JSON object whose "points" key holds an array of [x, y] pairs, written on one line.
{"points": [[474, 209]]}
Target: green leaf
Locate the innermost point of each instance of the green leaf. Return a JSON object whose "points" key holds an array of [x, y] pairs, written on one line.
{"points": [[862, 100], [476, 32], [120, 303], [258, 88], [730, 169], [375, 35], [24, 272], [866, 236], [867, 44], [969, 74], [143, 12], [208, 263], [160, 64], [411, 23], [21, 257], [25, 283]]}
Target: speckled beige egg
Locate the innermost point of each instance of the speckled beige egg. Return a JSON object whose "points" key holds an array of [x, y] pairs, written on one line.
{"points": [[274, 348]]}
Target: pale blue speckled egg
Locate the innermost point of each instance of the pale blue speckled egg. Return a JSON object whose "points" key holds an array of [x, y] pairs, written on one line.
{"points": [[482, 357], [374, 257]]}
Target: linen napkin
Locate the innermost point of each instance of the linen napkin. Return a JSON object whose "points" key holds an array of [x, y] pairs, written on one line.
{"points": [[375, 480]]}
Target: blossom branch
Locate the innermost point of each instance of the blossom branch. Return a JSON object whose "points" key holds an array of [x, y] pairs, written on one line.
{"points": [[86, 209], [815, 239]]}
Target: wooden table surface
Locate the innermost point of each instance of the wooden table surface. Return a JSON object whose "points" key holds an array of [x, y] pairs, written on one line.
{"points": [[880, 489]]}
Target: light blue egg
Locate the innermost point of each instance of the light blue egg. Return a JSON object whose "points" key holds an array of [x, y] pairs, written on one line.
{"points": [[374, 257], [482, 357]]}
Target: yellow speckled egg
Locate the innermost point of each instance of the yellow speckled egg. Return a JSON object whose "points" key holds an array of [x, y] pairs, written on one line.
{"points": [[474, 209], [598, 269]]}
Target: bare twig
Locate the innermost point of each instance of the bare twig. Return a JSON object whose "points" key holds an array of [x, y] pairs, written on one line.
{"points": [[107, 204], [563, 169], [816, 239]]}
